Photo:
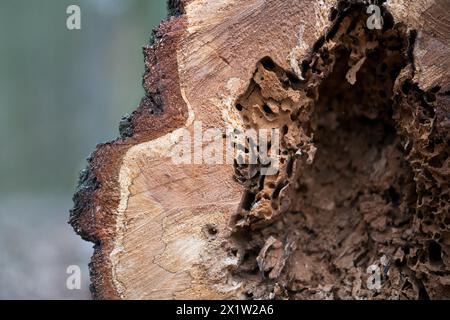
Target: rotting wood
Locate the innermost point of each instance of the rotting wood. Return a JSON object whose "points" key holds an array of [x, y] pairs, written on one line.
{"points": [[364, 164]]}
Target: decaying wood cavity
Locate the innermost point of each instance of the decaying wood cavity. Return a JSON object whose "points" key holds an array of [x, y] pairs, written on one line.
{"points": [[364, 169], [346, 192]]}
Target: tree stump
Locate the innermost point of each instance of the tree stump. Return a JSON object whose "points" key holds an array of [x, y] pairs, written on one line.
{"points": [[359, 205]]}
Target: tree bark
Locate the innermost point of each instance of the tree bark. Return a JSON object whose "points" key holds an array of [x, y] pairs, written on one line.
{"points": [[364, 117]]}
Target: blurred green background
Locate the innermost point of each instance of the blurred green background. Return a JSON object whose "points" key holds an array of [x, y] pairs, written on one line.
{"points": [[61, 93]]}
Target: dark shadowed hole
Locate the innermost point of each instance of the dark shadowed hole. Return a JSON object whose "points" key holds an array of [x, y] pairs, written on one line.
{"points": [[267, 109], [268, 63], [434, 252], [211, 229]]}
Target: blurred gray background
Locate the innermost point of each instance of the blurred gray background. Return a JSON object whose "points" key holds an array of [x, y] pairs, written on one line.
{"points": [[61, 93]]}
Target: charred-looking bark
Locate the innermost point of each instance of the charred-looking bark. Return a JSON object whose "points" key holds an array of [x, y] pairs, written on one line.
{"points": [[359, 207]]}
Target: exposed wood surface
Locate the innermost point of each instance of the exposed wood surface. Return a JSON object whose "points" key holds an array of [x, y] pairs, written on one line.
{"points": [[162, 231]]}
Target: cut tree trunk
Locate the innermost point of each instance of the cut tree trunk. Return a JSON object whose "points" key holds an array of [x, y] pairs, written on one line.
{"points": [[359, 207]]}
